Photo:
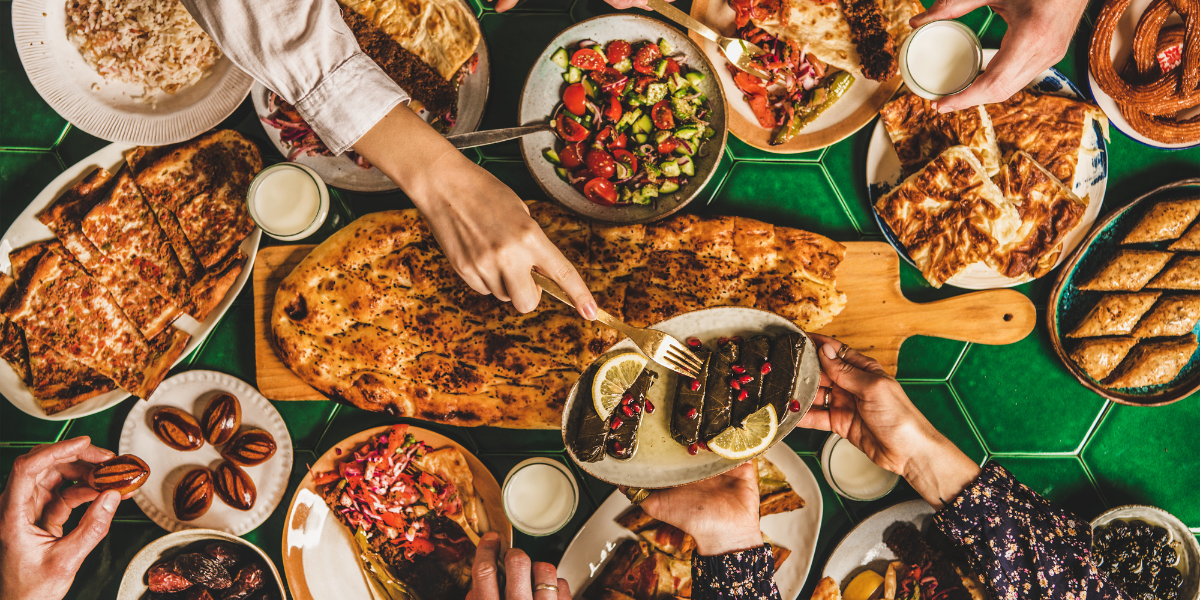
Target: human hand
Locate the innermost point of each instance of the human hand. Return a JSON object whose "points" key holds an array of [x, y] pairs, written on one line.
{"points": [[871, 410], [485, 578], [503, 5], [1039, 32], [36, 559], [720, 513]]}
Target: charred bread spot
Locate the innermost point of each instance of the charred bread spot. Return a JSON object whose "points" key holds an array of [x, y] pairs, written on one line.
{"points": [[297, 309]]}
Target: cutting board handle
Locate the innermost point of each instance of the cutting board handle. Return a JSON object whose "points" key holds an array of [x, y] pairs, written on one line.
{"points": [[989, 317]]}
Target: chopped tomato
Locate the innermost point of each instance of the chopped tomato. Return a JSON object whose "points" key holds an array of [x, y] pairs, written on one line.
{"points": [[662, 115], [600, 163], [572, 155], [588, 59], [672, 68], [647, 58], [626, 157], [614, 109], [639, 86], [610, 80], [601, 191], [749, 83], [575, 98], [762, 110], [741, 10], [618, 141], [618, 50], [668, 145], [569, 130], [393, 520]]}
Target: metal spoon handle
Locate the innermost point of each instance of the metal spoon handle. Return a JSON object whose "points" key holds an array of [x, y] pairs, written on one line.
{"points": [[483, 138], [674, 14]]}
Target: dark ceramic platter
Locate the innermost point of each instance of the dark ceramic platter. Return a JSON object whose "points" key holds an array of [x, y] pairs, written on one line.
{"points": [[1069, 304]]}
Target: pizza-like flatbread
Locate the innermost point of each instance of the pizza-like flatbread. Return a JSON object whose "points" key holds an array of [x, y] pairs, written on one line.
{"points": [[1100, 355], [1114, 314], [1166, 220], [827, 589], [207, 293], [1182, 274], [59, 382], [1154, 362], [1173, 315], [442, 33], [1050, 128], [1127, 270], [1048, 210], [12, 339], [919, 133], [950, 215]]}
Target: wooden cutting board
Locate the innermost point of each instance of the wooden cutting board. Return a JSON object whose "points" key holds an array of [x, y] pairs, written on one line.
{"points": [[876, 321]]}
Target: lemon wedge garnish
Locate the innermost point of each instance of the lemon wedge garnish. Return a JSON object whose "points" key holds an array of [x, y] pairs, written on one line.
{"points": [[615, 375], [754, 435], [863, 586]]}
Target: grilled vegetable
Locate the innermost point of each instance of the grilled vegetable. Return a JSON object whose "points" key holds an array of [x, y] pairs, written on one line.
{"points": [[804, 113], [689, 404], [754, 355], [623, 439], [591, 431], [718, 392], [786, 350]]}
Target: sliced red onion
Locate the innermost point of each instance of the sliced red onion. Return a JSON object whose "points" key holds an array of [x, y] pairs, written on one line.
{"points": [[572, 179], [646, 148], [690, 148], [588, 43]]}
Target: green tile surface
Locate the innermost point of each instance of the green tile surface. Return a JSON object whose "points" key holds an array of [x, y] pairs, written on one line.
{"points": [[1013, 404]]}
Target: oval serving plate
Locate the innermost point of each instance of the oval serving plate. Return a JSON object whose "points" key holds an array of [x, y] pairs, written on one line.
{"points": [[863, 549], [1069, 304], [660, 461], [860, 104], [320, 556], [543, 92], [1182, 540], [1091, 181]]}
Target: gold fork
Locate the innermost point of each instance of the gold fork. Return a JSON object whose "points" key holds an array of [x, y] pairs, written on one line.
{"points": [[658, 346], [739, 52]]}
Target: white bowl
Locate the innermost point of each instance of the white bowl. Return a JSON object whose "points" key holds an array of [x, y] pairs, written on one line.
{"points": [[133, 584], [1182, 540]]}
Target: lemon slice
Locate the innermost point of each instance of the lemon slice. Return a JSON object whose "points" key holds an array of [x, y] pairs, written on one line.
{"points": [[615, 375], [754, 435], [863, 586]]}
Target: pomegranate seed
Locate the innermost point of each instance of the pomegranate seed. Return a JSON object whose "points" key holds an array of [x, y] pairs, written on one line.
{"points": [[695, 385], [637, 408], [628, 410], [766, 368], [742, 395], [691, 413], [694, 449], [626, 399], [649, 407], [618, 447], [722, 341], [693, 342], [746, 379], [739, 369], [794, 406], [704, 445], [737, 339], [616, 423], [734, 383]]}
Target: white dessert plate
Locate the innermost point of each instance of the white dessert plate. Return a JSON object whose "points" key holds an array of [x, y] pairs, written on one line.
{"points": [[863, 548]]}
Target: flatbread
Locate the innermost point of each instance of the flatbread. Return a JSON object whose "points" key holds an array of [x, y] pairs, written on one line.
{"points": [[827, 589], [377, 318], [1048, 127], [1173, 315], [1048, 210], [442, 33], [1127, 270], [1100, 355], [1114, 314], [1166, 220], [950, 215], [208, 293], [1153, 362], [1182, 274], [822, 27], [450, 464], [919, 133]]}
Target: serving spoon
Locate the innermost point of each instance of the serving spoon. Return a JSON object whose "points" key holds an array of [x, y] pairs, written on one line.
{"points": [[737, 51], [495, 136]]}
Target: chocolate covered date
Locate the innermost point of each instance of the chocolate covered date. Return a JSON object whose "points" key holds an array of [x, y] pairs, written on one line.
{"points": [[193, 494], [234, 486], [221, 419], [225, 553], [250, 449], [124, 474], [177, 429], [162, 578], [202, 570], [249, 580]]}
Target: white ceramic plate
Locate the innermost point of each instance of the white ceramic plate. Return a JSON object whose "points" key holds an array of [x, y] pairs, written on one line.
{"points": [[191, 391], [660, 461], [1122, 46], [320, 556], [26, 229], [1182, 540], [342, 172], [1091, 181], [797, 531], [112, 110], [133, 586], [863, 548]]}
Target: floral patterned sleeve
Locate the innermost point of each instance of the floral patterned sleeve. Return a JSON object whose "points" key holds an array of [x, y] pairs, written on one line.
{"points": [[745, 575], [1023, 545]]}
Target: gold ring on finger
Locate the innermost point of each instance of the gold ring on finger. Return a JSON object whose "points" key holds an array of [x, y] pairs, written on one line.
{"points": [[845, 349], [546, 586]]}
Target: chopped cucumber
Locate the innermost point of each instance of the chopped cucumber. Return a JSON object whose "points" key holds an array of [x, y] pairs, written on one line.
{"points": [[629, 118], [624, 66], [661, 135], [552, 156], [685, 149], [589, 88], [574, 74], [643, 125], [679, 81], [635, 100], [683, 91], [670, 168], [684, 109], [668, 187], [664, 46], [694, 78], [649, 191], [653, 173], [560, 58], [685, 133], [660, 69], [563, 173], [688, 168], [641, 137], [674, 89], [639, 198], [708, 133], [655, 92], [598, 49], [626, 194]]}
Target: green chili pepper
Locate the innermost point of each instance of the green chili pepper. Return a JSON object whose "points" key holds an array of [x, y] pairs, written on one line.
{"points": [[804, 113]]}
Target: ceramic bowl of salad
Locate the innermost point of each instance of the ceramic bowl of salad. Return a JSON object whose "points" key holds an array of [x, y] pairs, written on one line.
{"points": [[638, 115]]}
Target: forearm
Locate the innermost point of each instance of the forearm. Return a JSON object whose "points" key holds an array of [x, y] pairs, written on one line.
{"points": [[411, 153], [745, 575], [938, 470]]}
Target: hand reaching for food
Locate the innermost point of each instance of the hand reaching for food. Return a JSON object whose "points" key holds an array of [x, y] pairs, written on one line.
{"points": [[720, 513], [1039, 32], [523, 581], [871, 410], [36, 559]]}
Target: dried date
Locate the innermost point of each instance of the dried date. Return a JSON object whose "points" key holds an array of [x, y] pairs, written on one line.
{"points": [[198, 593], [251, 448], [124, 474], [225, 553], [222, 418], [177, 429], [163, 579], [203, 570], [249, 580], [193, 494], [234, 486]]}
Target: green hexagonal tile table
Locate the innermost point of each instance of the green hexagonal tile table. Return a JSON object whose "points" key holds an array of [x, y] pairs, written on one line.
{"points": [[1015, 404]]}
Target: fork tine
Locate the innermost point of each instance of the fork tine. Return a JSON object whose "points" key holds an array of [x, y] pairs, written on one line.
{"points": [[689, 357], [674, 356]]}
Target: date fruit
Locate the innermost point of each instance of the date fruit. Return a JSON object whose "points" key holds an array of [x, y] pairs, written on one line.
{"points": [[124, 474], [225, 553], [177, 429], [249, 580], [198, 593], [234, 486], [202, 570], [222, 418], [193, 494], [163, 579], [251, 448]]}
